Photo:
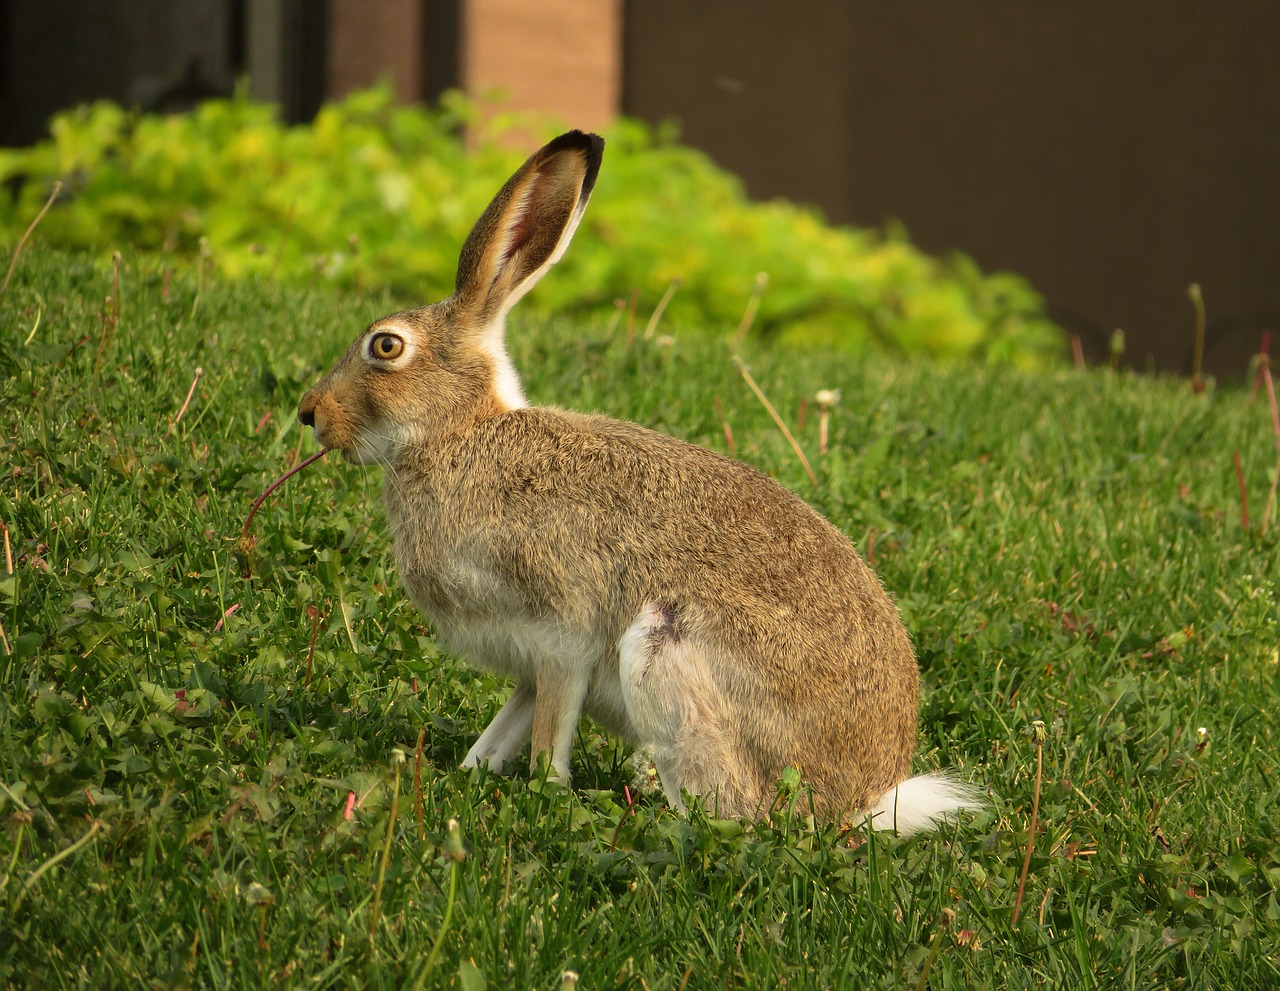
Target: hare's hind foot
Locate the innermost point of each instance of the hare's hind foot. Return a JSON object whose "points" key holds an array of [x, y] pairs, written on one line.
{"points": [[679, 712]]}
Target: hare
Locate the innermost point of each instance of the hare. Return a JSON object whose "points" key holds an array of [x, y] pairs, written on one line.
{"points": [[684, 600]]}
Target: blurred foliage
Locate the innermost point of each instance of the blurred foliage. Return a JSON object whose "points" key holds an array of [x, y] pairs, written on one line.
{"points": [[375, 194]]}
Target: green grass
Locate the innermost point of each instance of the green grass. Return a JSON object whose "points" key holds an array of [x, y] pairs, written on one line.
{"points": [[1064, 547]]}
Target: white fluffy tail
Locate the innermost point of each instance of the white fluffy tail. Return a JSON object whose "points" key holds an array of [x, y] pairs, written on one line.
{"points": [[923, 802]]}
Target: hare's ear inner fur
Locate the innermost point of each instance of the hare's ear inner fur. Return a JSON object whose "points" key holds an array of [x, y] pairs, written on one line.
{"points": [[528, 225]]}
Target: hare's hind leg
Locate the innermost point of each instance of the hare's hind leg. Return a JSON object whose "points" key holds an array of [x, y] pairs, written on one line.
{"points": [[679, 711], [507, 734], [560, 694]]}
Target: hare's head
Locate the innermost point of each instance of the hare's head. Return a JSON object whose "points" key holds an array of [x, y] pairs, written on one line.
{"points": [[423, 372]]}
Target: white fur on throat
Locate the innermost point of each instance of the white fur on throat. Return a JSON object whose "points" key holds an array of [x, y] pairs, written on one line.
{"points": [[506, 383], [923, 802]]}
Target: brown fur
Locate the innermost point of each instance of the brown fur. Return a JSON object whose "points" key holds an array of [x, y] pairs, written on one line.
{"points": [[679, 597]]}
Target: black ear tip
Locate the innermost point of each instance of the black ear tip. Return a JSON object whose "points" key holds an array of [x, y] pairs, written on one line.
{"points": [[584, 140], [591, 145]]}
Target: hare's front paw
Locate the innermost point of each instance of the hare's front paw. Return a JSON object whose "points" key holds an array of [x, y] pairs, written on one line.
{"points": [[507, 735]]}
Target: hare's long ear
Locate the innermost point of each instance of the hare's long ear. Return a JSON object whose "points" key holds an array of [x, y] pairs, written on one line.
{"points": [[528, 226]]}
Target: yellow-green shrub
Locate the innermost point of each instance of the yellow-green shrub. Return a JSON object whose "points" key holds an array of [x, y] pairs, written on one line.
{"points": [[376, 194]]}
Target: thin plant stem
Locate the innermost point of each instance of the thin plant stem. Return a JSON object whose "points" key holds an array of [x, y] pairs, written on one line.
{"points": [[1244, 492], [200, 260], [1077, 352], [728, 431], [185, 403], [1263, 357], [108, 331], [1043, 903], [34, 327], [753, 307], [619, 307], [1271, 401], [1197, 359], [13, 861], [263, 945], [454, 851], [22, 241], [746, 375], [115, 289], [1116, 349], [631, 316], [386, 847], [296, 453], [275, 485], [314, 613], [1270, 506], [417, 782], [8, 551], [1038, 731], [284, 236], [346, 620], [53, 861], [826, 399], [944, 924], [652, 325], [622, 818], [434, 956]]}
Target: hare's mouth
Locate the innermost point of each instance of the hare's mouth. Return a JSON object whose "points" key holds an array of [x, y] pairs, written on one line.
{"points": [[371, 447], [357, 446], [360, 455]]}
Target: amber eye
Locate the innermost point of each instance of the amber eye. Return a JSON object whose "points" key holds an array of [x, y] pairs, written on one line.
{"points": [[386, 346]]}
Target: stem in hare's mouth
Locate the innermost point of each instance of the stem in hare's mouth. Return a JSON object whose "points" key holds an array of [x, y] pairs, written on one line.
{"points": [[275, 485]]}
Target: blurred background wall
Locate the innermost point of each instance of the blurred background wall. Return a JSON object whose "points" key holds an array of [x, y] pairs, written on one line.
{"points": [[1111, 152]]}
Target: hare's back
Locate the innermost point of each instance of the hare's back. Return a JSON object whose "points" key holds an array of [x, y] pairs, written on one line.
{"points": [[667, 520]]}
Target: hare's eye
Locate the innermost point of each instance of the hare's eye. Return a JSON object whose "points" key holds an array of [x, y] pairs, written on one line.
{"points": [[386, 346]]}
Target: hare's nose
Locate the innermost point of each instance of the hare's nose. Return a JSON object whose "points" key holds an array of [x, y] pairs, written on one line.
{"points": [[307, 409]]}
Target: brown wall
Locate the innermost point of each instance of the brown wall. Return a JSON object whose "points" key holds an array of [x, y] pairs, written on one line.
{"points": [[373, 40], [1112, 152], [557, 57]]}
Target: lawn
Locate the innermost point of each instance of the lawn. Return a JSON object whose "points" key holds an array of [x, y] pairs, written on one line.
{"points": [[219, 771]]}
